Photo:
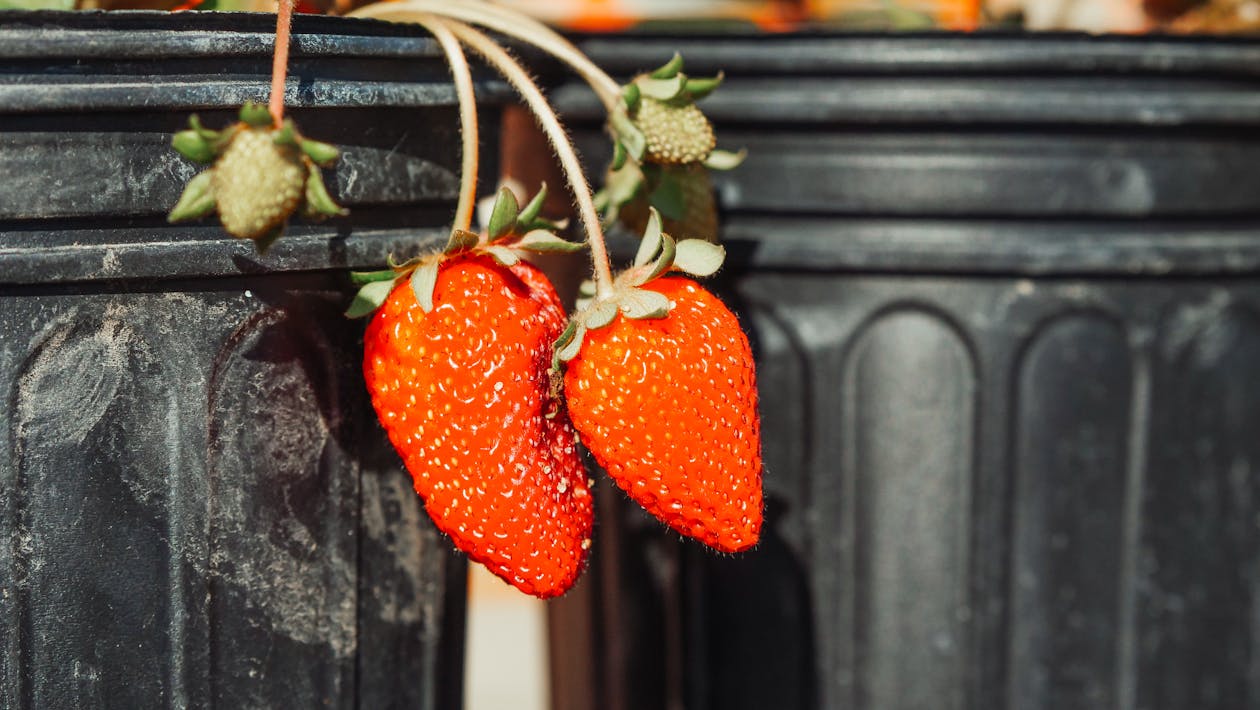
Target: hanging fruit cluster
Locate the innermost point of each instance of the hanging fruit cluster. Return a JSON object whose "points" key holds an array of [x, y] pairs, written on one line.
{"points": [[480, 380]]}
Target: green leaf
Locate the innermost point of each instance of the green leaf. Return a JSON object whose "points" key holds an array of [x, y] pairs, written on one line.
{"points": [[600, 315], [698, 257], [461, 240], [628, 133], [663, 262], [196, 201], [503, 216], [503, 255], [669, 69], [619, 156], [257, 115], [318, 200], [623, 185], [323, 154], [362, 278], [650, 245], [541, 240], [286, 134], [369, 298], [669, 197], [700, 87], [423, 282], [569, 344], [661, 89], [641, 304], [725, 159], [37, 4], [209, 136], [531, 211], [630, 96], [192, 146]]}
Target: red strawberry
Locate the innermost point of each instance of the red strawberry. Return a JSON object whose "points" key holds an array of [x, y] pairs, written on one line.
{"points": [[463, 393], [667, 403]]}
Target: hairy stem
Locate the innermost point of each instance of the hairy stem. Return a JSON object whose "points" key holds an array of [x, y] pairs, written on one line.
{"points": [[280, 59], [520, 80], [513, 24], [467, 116]]}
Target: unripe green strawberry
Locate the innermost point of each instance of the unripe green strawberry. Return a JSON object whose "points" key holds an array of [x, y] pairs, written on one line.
{"points": [[676, 131], [257, 183]]}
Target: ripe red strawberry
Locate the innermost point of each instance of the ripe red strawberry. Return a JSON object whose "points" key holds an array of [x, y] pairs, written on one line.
{"points": [[668, 406], [463, 393]]}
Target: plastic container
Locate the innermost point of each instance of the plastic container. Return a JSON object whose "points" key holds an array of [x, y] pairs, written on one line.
{"points": [[197, 508], [1005, 295]]}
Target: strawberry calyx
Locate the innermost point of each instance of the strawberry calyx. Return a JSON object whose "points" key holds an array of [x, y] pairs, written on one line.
{"points": [[511, 233], [658, 254], [279, 175]]}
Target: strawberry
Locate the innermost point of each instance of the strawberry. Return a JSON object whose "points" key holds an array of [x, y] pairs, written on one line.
{"points": [[459, 375], [661, 386], [260, 175], [676, 131], [687, 190]]}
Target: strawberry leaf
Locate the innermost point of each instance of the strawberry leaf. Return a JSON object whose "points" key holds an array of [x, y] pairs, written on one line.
{"points": [[641, 304], [661, 89], [628, 133], [630, 96], [460, 240], [191, 145], [362, 278], [698, 257], [369, 298], [700, 87], [503, 216], [670, 69], [725, 159], [503, 255], [531, 211], [619, 156], [257, 115], [663, 262], [600, 315], [423, 282], [209, 136], [569, 344], [286, 134], [541, 240], [318, 201], [322, 153], [196, 201], [651, 243], [586, 294], [669, 197]]}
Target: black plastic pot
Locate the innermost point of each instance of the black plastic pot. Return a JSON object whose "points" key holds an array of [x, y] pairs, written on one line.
{"points": [[197, 508], [1005, 292]]}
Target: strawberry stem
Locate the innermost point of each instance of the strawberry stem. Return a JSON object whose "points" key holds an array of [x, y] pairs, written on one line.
{"points": [[280, 59], [467, 117], [513, 24], [520, 80]]}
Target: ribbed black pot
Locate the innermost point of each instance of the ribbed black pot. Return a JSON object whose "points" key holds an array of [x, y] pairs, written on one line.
{"points": [[1005, 295], [197, 508]]}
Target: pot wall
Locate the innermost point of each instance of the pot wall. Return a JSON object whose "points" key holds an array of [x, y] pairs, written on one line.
{"points": [[197, 507], [1003, 292]]}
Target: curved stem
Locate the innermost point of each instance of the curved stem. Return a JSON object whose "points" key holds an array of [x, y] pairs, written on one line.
{"points": [[280, 59], [512, 24], [519, 79], [467, 117]]}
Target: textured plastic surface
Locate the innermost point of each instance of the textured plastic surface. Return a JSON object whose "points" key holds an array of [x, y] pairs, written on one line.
{"points": [[197, 508], [1005, 297]]}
